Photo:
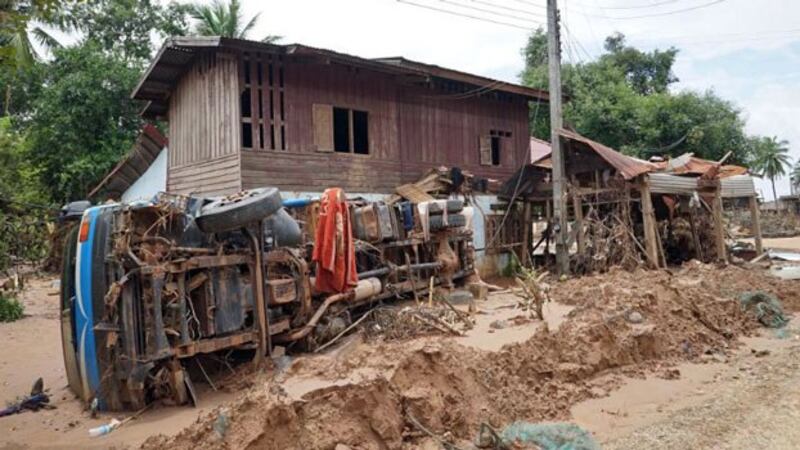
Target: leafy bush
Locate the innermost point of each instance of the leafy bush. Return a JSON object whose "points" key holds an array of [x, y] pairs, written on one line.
{"points": [[10, 308]]}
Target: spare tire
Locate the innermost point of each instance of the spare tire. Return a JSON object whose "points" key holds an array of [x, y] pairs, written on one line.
{"points": [[453, 206], [239, 210], [453, 221]]}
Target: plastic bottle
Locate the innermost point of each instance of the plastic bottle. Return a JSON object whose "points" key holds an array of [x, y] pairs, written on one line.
{"points": [[104, 429]]}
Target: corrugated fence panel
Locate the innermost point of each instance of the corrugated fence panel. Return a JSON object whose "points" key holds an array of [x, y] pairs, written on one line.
{"points": [[738, 186], [664, 183]]}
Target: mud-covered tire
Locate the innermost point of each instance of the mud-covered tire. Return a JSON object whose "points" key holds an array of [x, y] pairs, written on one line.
{"points": [[453, 221], [239, 210], [453, 206]]}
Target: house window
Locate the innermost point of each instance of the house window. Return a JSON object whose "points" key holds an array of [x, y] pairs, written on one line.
{"points": [[340, 130], [492, 147], [263, 111]]}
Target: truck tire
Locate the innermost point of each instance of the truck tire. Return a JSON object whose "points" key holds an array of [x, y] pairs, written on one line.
{"points": [[453, 221], [238, 210], [453, 206]]}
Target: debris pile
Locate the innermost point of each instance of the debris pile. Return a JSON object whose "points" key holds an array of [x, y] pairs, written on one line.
{"points": [[429, 391]]}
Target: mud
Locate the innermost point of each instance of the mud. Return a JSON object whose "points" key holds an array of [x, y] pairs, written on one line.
{"points": [[623, 324]]}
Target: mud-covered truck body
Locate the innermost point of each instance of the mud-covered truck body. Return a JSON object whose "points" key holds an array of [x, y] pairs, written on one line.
{"points": [[148, 288]]}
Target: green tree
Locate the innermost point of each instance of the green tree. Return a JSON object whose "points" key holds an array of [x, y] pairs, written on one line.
{"points": [[771, 159], [224, 19], [623, 100], [646, 73], [21, 24], [127, 27], [83, 121]]}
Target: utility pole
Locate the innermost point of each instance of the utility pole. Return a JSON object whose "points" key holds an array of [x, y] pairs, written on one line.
{"points": [[559, 194]]}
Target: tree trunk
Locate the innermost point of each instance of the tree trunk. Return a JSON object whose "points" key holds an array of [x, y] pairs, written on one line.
{"points": [[774, 195]]}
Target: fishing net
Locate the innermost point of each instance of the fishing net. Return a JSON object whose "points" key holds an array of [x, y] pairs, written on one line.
{"points": [[767, 308], [550, 436]]}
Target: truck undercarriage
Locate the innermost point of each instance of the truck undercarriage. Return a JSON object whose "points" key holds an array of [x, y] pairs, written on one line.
{"points": [[157, 291]]}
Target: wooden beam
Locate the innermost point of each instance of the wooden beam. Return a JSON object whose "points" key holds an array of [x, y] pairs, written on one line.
{"points": [[756, 220], [649, 217], [580, 236], [719, 225], [526, 234]]}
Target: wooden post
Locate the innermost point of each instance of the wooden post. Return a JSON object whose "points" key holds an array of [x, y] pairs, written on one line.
{"points": [[649, 218], [754, 217], [579, 236], [719, 225], [526, 234], [556, 123]]}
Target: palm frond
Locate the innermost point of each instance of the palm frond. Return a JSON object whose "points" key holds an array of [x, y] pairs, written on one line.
{"points": [[45, 39]]}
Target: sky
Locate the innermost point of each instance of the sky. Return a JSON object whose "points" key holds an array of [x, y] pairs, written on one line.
{"points": [[746, 51]]}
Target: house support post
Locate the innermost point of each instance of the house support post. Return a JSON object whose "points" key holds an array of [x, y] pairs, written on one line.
{"points": [[649, 219], [756, 220], [719, 225], [580, 236], [526, 234]]}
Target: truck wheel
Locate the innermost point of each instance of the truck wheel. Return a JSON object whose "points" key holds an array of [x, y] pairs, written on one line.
{"points": [[453, 221], [453, 206], [238, 210]]}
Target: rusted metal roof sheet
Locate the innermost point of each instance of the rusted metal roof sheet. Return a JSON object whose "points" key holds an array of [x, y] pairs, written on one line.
{"points": [[539, 150], [691, 165], [148, 145], [628, 166]]}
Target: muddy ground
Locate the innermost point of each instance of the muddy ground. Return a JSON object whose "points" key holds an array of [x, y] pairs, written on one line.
{"points": [[638, 341]]}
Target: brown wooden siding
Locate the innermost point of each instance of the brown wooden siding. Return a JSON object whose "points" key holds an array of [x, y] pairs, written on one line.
{"points": [[410, 130], [204, 128], [214, 176]]}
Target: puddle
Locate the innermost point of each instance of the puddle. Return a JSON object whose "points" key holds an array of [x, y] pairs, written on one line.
{"points": [[786, 272]]}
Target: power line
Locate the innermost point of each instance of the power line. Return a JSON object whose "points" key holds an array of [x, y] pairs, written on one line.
{"points": [[661, 14], [507, 8], [649, 5], [484, 10], [464, 15], [526, 2]]}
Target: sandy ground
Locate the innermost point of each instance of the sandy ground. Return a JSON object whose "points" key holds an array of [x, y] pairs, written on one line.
{"points": [[31, 349], [788, 243], [692, 411]]}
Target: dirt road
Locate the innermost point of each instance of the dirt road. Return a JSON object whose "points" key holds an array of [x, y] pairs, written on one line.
{"points": [[631, 381]]}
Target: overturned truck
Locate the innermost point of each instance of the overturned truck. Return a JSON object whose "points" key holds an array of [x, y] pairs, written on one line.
{"points": [[148, 287]]}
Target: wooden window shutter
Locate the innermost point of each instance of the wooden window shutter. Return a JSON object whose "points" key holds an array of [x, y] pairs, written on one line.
{"points": [[323, 127], [486, 150]]}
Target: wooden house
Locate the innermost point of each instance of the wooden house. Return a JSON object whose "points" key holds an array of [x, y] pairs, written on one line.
{"points": [[246, 114]]}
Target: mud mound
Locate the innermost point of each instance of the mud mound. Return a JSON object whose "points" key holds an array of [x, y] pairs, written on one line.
{"points": [[623, 322]]}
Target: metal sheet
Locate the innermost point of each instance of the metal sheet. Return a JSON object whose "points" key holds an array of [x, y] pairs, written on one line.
{"points": [[664, 183], [738, 186]]}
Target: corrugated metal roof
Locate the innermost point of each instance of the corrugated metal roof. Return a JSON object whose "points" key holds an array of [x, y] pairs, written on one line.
{"points": [[738, 186], [688, 164], [665, 183], [539, 150], [628, 166]]}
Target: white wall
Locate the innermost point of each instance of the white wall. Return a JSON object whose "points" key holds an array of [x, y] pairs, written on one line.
{"points": [[153, 181]]}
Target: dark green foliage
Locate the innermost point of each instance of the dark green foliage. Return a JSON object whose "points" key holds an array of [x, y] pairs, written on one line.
{"points": [[10, 308], [83, 121], [623, 100]]}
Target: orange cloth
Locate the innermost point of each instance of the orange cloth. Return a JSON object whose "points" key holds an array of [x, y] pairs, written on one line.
{"points": [[334, 249]]}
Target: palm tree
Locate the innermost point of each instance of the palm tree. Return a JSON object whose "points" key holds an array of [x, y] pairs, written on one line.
{"points": [[21, 25], [224, 19], [772, 160]]}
